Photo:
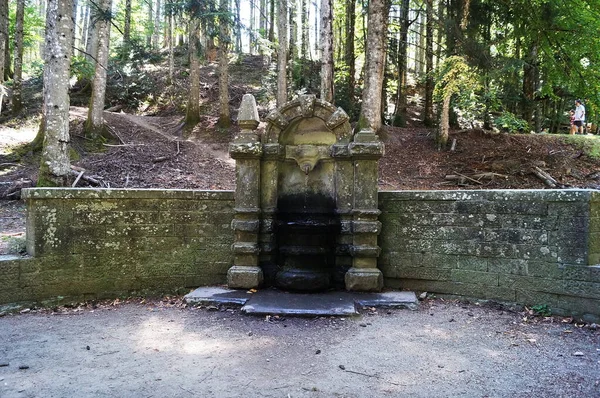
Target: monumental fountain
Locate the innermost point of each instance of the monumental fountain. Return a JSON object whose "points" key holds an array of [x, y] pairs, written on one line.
{"points": [[306, 206]]}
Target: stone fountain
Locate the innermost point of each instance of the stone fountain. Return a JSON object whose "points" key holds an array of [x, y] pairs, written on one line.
{"points": [[306, 204]]}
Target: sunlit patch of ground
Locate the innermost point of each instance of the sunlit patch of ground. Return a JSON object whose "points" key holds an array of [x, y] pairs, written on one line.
{"points": [[11, 137]]}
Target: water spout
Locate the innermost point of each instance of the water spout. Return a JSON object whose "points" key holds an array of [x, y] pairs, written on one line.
{"points": [[306, 168]]}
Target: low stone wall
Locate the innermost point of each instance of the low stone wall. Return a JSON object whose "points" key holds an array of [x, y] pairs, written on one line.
{"points": [[530, 247], [88, 243]]}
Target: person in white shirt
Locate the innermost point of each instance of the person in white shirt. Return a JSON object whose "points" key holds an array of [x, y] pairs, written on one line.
{"points": [[579, 118]]}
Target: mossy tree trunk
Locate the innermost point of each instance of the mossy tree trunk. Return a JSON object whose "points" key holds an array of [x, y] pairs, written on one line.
{"points": [[94, 126], [55, 165]]}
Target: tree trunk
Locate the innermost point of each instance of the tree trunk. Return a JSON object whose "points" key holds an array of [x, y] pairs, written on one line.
{"points": [[170, 43], [84, 29], [530, 72], [156, 27], [126, 32], [17, 103], [282, 18], [238, 27], [150, 24], [272, 21], [91, 46], [94, 126], [400, 114], [192, 116], [349, 56], [442, 138], [4, 36], [224, 41], [293, 48], [79, 32], [54, 164], [304, 42], [317, 38], [428, 111], [326, 51], [370, 114]]}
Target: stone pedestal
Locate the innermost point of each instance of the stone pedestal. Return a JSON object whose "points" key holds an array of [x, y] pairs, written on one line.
{"points": [[247, 151]]}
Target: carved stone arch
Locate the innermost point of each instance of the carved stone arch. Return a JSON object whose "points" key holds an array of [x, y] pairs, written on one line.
{"points": [[306, 107]]}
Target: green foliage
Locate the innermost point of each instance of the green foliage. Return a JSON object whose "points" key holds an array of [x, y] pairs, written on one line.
{"points": [[306, 76], [33, 26], [510, 123], [16, 245], [454, 76], [343, 97], [590, 145], [541, 310], [82, 68]]}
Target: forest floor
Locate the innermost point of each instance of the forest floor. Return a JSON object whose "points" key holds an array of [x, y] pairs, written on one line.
{"points": [[149, 150]]}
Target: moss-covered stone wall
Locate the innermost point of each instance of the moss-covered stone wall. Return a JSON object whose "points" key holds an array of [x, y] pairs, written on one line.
{"points": [[88, 243], [531, 247]]}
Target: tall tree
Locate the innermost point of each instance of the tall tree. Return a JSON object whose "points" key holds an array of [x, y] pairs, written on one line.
{"points": [[271, 21], [17, 103], [94, 126], [304, 29], [429, 84], [169, 15], [192, 115], [126, 31], [400, 112], [349, 55], [224, 44], [55, 165], [156, 27], [84, 28], [370, 113], [238, 27], [150, 23], [326, 51], [293, 47], [91, 43], [282, 18], [3, 36]]}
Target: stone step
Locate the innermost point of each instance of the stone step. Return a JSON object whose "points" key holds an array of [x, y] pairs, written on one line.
{"points": [[276, 302]]}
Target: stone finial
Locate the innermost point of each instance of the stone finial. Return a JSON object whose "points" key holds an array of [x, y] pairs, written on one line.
{"points": [[248, 114]]}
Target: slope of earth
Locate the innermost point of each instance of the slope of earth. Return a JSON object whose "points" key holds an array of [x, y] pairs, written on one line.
{"points": [[483, 160]]}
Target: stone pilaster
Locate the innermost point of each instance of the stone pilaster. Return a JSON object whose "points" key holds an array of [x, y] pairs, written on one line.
{"points": [[247, 151], [364, 275]]}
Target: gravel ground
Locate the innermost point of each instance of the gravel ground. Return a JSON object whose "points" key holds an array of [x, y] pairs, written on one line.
{"points": [[162, 349]]}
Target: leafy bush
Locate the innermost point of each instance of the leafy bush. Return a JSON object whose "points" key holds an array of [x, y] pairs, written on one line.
{"points": [[82, 68], [541, 310], [510, 123]]}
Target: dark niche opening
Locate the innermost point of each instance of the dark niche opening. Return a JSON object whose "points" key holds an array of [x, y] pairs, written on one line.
{"points": [[307, 230]]}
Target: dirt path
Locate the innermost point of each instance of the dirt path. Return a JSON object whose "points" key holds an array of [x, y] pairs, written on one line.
{"points": [[445, 349]]}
